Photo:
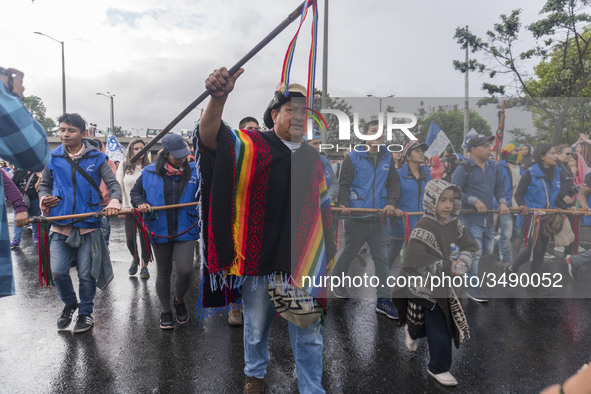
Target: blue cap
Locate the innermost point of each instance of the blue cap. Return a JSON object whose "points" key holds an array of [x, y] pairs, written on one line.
{"points": [[175, 145]]}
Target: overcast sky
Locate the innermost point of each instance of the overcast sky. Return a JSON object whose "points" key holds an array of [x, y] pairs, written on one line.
{"points": [[155, 55]]}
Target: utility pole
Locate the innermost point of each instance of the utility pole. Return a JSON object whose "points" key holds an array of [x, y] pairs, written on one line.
{"points": [[466, 108], [109, 95], [325, 68], [63, 69]]}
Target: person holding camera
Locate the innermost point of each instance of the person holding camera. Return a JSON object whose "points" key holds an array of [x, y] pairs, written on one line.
{"points": [[24, 143]]}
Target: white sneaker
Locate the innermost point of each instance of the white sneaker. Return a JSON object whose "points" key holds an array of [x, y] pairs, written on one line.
{"points": [[445, 378], [549, 256], [581, 249], [559, 249], [497, 237], [411, 344]]}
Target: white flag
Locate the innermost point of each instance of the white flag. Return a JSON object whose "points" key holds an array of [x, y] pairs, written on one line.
{"points": [[471, 134], [115, 150]]}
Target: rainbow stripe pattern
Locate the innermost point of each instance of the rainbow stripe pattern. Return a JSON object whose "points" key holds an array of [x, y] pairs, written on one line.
{"points": [[312, 261], [245, 159], [289, 55]]}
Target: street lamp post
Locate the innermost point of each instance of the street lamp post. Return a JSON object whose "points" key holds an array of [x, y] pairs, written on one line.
{"points": [[380, 98], [63, 69], [109, 95]]}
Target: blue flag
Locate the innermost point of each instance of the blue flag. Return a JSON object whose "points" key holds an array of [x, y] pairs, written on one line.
{"points": [[437, 140]]}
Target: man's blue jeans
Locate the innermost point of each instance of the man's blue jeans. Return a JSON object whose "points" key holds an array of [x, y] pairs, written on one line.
{"points": [[62, 255], [509, 231], [377, 236], [484, 238], [306, 344], [33, 210]]}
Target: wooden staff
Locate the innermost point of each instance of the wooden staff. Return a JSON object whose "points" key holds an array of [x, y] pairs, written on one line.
{"points": [[334, 209], [466, 211], [122, 212], [292, 17]]}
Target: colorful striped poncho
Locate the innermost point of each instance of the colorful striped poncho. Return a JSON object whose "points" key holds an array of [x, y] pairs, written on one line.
{"points": [[265, 211]]}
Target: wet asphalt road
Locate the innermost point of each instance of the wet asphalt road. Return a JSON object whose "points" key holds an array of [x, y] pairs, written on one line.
{"points": [[516, 345]]}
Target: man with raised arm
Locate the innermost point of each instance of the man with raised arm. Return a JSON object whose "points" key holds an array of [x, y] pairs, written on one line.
{"points": [[266, 228]]}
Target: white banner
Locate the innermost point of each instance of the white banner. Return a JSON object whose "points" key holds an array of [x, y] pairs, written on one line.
{"points": [[114, 149], [472, 133]]}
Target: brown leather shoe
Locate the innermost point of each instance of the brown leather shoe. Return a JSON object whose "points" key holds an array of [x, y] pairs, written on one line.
{"points": [[254, 385], [235, 316]]}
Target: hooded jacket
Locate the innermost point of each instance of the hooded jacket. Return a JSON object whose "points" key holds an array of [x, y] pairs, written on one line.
{"points": [[427, 256], [437, 168]]}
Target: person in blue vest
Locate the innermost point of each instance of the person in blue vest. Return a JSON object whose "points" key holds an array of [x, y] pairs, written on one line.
{"points": [[369, 180], [332, 183], [480, 181], [69, 185], [511, 171], [539, 187], [575, 263], [170, 180], [413, 178]]}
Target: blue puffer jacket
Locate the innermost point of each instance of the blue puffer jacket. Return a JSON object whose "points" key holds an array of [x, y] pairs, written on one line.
{"points": [[155, 187], [411, 197], [76, 194], [536, 192], [368, 189]]}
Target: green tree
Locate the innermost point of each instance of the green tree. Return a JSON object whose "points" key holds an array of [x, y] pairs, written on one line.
{"points": [[451, 120], [36, 107], [562, 40], [119, 132]]}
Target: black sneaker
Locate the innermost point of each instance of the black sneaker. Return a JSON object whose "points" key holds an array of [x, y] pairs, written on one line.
{"points": [[166, 322], [66, 317], [83, 323], [133, 268], [144, 273], [182, 316]]}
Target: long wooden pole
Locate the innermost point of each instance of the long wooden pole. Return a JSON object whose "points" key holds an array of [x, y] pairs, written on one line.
{"points": [[292, 17], [466, 211], [121, 212], [334, 210]]}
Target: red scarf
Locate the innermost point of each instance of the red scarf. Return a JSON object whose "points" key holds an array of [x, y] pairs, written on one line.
{"points": [[170, 170]]}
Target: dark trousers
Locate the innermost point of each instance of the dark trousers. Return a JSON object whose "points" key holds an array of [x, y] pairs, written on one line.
{"points": [[377, 236], [538, 259], [438, 337], [129, 239]]}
